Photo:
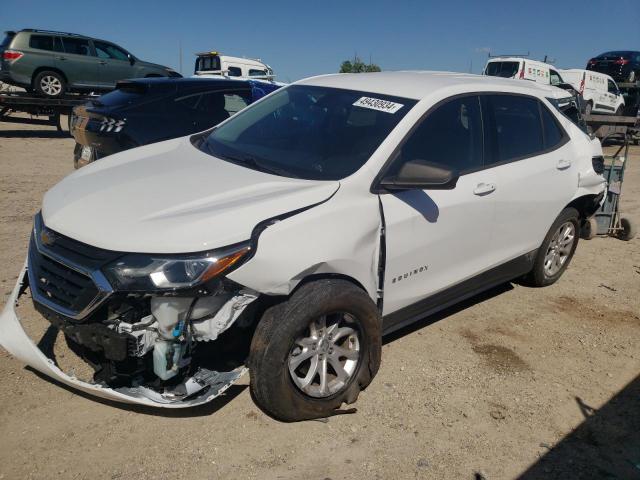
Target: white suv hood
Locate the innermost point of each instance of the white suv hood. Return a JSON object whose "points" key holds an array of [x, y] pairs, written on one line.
{"points": [[170, 197]]}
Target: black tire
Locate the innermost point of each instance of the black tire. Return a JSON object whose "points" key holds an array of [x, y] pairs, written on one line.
{"points": [[272, 386], [589, 229], [628, 231], [619, 111], [588, 107], [49, 84], [539, 277]]}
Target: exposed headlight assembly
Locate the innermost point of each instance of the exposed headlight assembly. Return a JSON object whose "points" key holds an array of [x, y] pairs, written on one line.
{"points": [[138, 272]]}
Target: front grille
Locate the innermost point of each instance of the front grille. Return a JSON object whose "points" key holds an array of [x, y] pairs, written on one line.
{"points": [[59, 283], [64, 274]]}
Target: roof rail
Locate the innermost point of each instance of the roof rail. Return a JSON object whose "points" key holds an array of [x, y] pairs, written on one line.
{"points": [[51, 31], [517, 56]]}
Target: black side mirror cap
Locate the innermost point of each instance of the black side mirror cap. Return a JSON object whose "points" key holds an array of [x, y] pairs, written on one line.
{"points": [[423, 175], [132, 60]]}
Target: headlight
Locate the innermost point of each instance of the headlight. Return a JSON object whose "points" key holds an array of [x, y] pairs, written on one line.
{"points": [[150, 272]]}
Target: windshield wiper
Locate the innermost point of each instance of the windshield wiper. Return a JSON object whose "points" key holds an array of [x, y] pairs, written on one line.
{"points": [[256, 164]]}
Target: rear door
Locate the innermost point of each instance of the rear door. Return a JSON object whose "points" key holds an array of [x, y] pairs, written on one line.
{"points": [[531, 156], [113, 64], [79, 62], [438, 238]]}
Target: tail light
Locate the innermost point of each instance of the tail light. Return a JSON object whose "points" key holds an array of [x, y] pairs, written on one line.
{"points": [[592, 63], [11, 55], [621, 61], [522, 71], [582, 85]]}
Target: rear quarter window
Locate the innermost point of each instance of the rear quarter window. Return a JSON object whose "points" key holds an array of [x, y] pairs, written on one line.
{"points": [[41, 42], [554, 135], [8, 37], [502, 69]]}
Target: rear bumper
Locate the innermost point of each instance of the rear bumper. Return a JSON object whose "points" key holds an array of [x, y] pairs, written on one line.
{"points": [[14, 339]]}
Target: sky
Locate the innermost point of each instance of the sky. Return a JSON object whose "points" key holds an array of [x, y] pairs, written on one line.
{"points": [[303, 38]]}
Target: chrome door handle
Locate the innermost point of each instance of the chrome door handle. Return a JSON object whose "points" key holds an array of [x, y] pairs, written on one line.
{"points": [[563, 164], [484, 189], [62, 58], [102, 62]]}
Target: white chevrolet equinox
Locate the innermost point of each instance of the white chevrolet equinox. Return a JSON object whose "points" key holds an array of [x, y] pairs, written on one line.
{"points": [[290, 238]]}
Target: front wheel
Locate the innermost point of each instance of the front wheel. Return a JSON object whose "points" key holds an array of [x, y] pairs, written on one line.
{"points": [[49, 84], [316, 351], [628, 231], [557, 249]]}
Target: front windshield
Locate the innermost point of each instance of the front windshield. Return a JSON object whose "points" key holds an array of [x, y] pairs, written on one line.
{"points": [[315, 133]]}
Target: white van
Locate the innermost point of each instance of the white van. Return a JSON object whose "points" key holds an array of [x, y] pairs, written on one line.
{"points": [[523, 69], [212, 63], [599, 91]]}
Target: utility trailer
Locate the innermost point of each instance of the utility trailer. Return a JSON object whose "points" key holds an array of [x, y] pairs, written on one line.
{"points": [[48, 109]]}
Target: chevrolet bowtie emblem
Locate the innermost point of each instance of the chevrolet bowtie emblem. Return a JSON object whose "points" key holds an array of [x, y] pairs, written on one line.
{"points": [[47, 238]]}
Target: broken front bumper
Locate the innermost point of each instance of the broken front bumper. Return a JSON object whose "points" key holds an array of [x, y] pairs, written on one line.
{"points": [[206, 385]]}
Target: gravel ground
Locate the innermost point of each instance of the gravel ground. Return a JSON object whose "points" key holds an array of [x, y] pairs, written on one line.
{"points": [[515, 382]]}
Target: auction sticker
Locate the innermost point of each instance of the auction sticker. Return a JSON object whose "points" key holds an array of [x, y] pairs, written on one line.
{"points": [[378, 104]]}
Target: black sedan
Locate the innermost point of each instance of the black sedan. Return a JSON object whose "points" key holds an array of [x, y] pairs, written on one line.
{"points": [[622, 66], [143, 111]]}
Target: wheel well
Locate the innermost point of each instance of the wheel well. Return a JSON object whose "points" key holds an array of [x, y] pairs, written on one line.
{"points": [[50, 69], [585, 205], [327, 276]]}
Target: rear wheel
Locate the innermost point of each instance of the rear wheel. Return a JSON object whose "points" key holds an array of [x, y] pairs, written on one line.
{"points": [[557, 249], [628, 231], [49, 84], [316, 351]]}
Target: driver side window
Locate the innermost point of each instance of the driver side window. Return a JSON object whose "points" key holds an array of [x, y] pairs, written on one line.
{"points": [[612, 87], [451, 135]]}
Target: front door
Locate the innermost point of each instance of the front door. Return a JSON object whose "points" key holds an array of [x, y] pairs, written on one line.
{"points": [[114, 64], [438, 238]]}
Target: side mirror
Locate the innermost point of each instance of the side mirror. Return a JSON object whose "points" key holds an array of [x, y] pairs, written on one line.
{"points": [[423, 175], [131, 58]]}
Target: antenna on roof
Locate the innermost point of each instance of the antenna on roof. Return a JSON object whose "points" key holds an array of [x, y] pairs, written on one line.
{"points": [[549, 60]]}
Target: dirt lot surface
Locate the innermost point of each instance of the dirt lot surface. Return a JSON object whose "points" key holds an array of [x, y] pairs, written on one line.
{"points": [[538, 383]]}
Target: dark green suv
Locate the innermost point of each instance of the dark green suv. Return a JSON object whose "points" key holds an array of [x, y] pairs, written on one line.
{"points": [[53, 63]]}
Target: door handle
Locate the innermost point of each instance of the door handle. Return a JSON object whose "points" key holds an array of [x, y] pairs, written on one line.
{"points": [[62, 58], [484, 189], [102, 62], [563, 164]]}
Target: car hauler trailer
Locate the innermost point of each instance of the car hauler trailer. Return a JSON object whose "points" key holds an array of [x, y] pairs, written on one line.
{"points": [[49, 109]]}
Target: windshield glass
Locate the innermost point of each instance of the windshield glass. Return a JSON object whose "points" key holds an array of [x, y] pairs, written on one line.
{"points": [[316, 133], [502, 69]]}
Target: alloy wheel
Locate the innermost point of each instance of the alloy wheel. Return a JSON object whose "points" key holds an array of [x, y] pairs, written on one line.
{"points": [[51, 85], [559, 249], [322, 362]]}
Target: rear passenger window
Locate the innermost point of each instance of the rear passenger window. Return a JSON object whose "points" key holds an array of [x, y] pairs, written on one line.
{"points": [[41, 42], [451, 135], [76, 46], [553, 133], [235, 72], [517, 127]]}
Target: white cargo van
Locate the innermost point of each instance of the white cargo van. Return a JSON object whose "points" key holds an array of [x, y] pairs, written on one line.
{"points": [[523, 69], [212, 63], [599, 91]]}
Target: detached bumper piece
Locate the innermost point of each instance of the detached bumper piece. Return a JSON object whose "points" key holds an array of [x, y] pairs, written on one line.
{"points": [[202, 387]]}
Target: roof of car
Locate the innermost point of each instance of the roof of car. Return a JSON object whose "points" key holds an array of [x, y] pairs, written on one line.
{"points": [[419, 84]]}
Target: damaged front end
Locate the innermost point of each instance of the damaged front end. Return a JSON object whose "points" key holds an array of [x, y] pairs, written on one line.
{"points": [[144, 323]]}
